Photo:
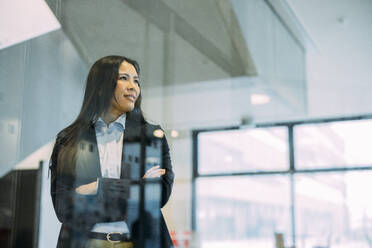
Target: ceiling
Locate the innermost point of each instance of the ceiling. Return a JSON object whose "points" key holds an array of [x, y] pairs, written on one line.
{"points": [[176, 42]]}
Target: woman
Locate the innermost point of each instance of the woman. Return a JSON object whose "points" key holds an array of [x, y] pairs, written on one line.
{"points": [[95, 191]]}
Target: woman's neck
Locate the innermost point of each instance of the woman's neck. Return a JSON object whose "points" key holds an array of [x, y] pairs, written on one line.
{"points": [[110, 116]]}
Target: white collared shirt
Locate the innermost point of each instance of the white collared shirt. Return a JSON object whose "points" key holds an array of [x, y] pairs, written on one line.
{"points": [[110, 145]]}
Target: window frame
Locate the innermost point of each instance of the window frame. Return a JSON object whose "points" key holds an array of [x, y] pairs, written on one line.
{"points": [[291, 171]]}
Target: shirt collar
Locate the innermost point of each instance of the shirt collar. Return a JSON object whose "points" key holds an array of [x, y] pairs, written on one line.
{"points": [[120, 121]]}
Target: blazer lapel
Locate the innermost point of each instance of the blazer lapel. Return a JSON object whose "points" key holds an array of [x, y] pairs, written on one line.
{"points": [[131, 146], [88, 162]]}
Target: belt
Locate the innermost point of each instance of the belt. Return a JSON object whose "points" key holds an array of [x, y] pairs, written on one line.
{"points": [[113, 237]]}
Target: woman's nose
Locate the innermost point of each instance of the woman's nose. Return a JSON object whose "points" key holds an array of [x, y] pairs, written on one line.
{"points": [[131, 85]]}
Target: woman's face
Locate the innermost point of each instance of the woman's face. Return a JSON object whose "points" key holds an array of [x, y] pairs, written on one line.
{"points": [[127, 89]]}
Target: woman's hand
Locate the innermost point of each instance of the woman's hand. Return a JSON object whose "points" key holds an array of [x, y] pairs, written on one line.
{"points": [[87, 189], [154, 172]]}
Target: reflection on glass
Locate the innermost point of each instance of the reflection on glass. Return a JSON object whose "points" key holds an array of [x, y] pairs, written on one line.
{"points": [[335, 144], [243, 211], [243, 150], [333, 210]]}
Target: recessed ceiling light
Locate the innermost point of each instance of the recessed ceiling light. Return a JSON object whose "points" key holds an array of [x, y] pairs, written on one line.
{"points": [[259, 99], [174, 134]]}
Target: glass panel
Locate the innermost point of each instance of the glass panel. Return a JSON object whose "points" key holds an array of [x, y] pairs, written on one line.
{"points": [[335, 144], [201, 65], [248, 219], [243, 150], [332, 210]]}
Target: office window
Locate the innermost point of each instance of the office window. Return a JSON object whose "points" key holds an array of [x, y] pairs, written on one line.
{"points": [[333, 209], [242, 211], [318, 199], [334, 144]]}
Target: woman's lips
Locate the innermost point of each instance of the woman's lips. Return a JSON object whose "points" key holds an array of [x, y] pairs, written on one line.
{"points": [[131, 98]]}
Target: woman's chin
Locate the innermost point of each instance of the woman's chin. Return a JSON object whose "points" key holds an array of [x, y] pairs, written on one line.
{"points": [[128, 109]]}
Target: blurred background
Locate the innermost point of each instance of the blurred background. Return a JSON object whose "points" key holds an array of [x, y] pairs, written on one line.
{"points": [[266, 105]]}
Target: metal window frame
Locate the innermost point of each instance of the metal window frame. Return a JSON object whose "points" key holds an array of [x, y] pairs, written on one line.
{"points": [[291, 172]]}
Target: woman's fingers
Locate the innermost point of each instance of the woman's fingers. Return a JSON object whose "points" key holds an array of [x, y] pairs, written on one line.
{"points": [[154, 172], [87, 189], [152, 169]]}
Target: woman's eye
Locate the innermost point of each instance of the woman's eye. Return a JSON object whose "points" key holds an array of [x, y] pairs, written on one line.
{"points": [[137, 81], [123, 78]]}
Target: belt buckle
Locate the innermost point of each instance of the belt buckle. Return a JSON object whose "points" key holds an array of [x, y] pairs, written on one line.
{"points": [[112, 241]]}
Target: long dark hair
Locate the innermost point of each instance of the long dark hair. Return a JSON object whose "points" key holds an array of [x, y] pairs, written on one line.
{"points": [[99, 90]]}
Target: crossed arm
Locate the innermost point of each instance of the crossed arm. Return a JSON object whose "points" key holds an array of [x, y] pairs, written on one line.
{"points": [[91, 188]]}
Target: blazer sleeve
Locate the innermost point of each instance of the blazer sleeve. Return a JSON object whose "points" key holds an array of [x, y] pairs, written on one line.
{"points": [[73, 209], [168, 177]]}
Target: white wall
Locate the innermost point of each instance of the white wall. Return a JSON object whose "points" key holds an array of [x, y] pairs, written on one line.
{"points": [[339, 74]]}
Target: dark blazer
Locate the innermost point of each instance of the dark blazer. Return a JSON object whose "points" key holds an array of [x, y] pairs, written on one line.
{"points": [[79, 213]]}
